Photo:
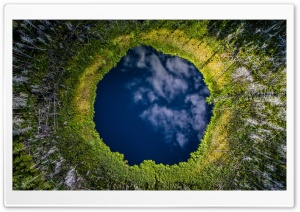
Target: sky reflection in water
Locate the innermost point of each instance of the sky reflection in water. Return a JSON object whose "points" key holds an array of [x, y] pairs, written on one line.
{"points": [[152, 106]]}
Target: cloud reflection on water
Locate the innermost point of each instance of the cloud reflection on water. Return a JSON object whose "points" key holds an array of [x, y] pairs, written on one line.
{"points": [[168, 81]]}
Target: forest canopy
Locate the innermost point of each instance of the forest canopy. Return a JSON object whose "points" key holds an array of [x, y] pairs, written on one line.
{"points": [[56, 68]]}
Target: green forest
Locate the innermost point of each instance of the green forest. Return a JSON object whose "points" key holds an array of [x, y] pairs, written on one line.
{"points": [[58, 63]]}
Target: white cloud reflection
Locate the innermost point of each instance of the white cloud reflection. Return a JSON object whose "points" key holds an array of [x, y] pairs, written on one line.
{"points": [[167, 79]]}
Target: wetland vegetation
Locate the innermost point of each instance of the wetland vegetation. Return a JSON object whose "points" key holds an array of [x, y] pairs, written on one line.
{"points": [[57, 66]]}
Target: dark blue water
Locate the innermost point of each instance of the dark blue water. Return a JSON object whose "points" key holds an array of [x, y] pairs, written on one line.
{"points": [[152, 106]]}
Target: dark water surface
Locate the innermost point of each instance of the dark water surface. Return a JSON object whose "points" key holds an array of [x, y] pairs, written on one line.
{"points": [[152, 106]]}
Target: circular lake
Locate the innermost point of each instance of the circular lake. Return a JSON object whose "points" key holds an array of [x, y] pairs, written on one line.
{"points": [[152, 106]]}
